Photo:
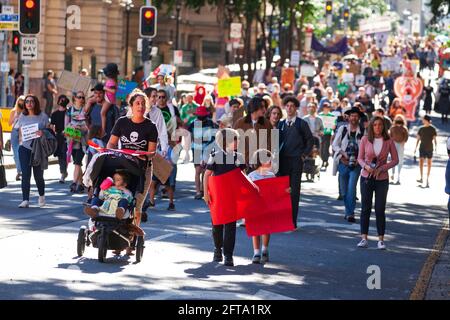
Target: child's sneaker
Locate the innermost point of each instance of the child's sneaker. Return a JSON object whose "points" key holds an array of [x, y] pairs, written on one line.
{"points": [[265, 257], [256, 258]]}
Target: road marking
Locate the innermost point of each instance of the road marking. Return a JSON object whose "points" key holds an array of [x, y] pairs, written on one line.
{"points": [[213, 295], [165, 236], [329, 225]]}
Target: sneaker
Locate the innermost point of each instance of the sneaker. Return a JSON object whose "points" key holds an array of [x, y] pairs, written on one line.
{"points": [[265, 257], [41, 201], [217, 255], [229, 262], [381, 245], [24, 204], [171, 207], [351, 219], [198, 196], [62, 180], [419, 180], [73, 187], [80, 189], [427, 185], [256, 258], [363, 244]]}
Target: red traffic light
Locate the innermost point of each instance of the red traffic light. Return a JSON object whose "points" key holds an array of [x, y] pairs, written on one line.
{"points": [[30, 4], [148, 14], [16, 41]]}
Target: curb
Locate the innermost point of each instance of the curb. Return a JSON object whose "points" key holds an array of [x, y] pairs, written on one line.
{"points": [[420, 290], [13, 166]]}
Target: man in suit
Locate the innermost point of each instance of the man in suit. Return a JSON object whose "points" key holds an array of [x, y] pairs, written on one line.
{"points": [[296, 143]]}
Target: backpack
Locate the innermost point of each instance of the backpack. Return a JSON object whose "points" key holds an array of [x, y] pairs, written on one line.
{"points": [[358, 136]]}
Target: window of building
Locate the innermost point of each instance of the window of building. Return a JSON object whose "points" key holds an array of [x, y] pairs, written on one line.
{"points": [[211, 47]]}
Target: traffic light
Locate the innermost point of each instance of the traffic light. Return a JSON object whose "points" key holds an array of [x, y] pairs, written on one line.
{"points": [[15, 42], [328, 7], [147, 22], [346, 14], [29, 17], [146, 49]]}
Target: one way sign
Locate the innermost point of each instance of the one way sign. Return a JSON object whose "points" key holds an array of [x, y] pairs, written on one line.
{"points": [[29, 48]]}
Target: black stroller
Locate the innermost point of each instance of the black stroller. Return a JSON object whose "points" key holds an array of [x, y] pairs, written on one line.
{"points": [[110, 233], [313, 162]]}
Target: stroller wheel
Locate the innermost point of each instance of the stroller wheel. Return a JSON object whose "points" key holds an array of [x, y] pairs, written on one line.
{"points": [[81, 241], [102, 246], [139, 248]]}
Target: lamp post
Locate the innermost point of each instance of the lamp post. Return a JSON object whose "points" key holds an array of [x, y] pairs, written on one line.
{"points": [[127, 4], [177, 31]]}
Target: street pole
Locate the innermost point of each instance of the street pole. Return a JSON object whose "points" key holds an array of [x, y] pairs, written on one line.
{"points": [[148, 64], [127, 39], [26, 81], [178, 8], [4, 74], [345, 20]]}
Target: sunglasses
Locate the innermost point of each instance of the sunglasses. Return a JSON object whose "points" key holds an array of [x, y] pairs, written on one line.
{"points": [[29, 101], [161, 97], [80, 97]]}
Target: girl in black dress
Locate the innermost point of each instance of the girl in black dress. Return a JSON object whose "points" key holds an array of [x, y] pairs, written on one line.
{"points": [[428, 98]]}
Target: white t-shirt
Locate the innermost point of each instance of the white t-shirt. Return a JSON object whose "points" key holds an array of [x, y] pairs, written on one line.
{"points": [[377, 146]]}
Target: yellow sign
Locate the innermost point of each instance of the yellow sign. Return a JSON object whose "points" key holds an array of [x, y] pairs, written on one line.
{"points": [[229, 87], [5, 118], [9, 26]]}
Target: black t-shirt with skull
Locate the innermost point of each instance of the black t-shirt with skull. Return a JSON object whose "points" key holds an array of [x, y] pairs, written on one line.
{"points": [[135, 136]]}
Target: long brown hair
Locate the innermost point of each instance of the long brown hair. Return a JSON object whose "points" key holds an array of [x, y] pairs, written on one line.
{"points": [[371, 134], [37, 106]]}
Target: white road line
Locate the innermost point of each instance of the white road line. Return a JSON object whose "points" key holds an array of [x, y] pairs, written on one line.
{"points": [[165, 236], [329, 225], [213, 295]]}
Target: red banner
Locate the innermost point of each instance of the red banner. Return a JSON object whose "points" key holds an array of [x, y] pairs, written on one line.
{"points": [[231, 195], [265, 204], [274, 213]]}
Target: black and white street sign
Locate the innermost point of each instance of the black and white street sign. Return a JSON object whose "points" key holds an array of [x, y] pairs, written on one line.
{"points": [[28, 49]]}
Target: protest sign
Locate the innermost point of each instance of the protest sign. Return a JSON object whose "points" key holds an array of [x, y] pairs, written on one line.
{"points": [[29, 132], [124, 88], [229, 87]]}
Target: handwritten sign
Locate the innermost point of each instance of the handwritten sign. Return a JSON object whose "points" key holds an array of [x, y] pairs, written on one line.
{"points": [[328, 122], [72, 133], [29, 132], [229, 87]]}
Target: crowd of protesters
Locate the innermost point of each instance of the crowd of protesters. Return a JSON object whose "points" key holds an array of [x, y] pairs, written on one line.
{"points": [[360, 127]]}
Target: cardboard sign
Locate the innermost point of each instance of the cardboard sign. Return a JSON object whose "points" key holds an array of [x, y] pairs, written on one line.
{"points": [[348, 77], [229, 87], [29, 132], [307, 70], [328, 122], [124, 88], [161, 168], [295, 58], [73, 82], [288, 76]]}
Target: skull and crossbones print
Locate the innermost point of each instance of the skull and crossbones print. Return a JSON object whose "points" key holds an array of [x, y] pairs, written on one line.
{"points": [[133, 143]]}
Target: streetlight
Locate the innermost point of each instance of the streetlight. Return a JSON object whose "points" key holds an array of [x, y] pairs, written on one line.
{"points": [[178, 9], [127, 4]]}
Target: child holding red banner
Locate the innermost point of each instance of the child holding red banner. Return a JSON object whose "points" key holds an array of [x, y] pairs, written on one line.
{"points": [[224, 160], [263, 160]]}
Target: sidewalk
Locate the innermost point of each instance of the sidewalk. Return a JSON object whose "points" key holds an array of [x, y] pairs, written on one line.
{"points": [[439, 287]]}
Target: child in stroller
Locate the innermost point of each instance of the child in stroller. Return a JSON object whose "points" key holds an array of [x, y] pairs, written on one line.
{"points": [[111, 225], [313, 163], [114, 198]]}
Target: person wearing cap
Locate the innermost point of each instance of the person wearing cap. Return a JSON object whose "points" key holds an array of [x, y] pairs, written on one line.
{"points": [[426, 136], [50, 91], [346, 147], [245, 94], [296, 143], [203, 131], [328, 98]]}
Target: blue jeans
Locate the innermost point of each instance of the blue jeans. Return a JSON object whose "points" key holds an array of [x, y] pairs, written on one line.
{"points": [[38, 173], [15, 147], [348, 179]]}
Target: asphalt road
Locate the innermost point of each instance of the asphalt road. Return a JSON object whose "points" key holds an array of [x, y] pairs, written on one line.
{"points": [[319, 261]]}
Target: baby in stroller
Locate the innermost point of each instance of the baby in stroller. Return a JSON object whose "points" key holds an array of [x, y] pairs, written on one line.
{"points": [[114, 198], [111, 225], [313, 163]]}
